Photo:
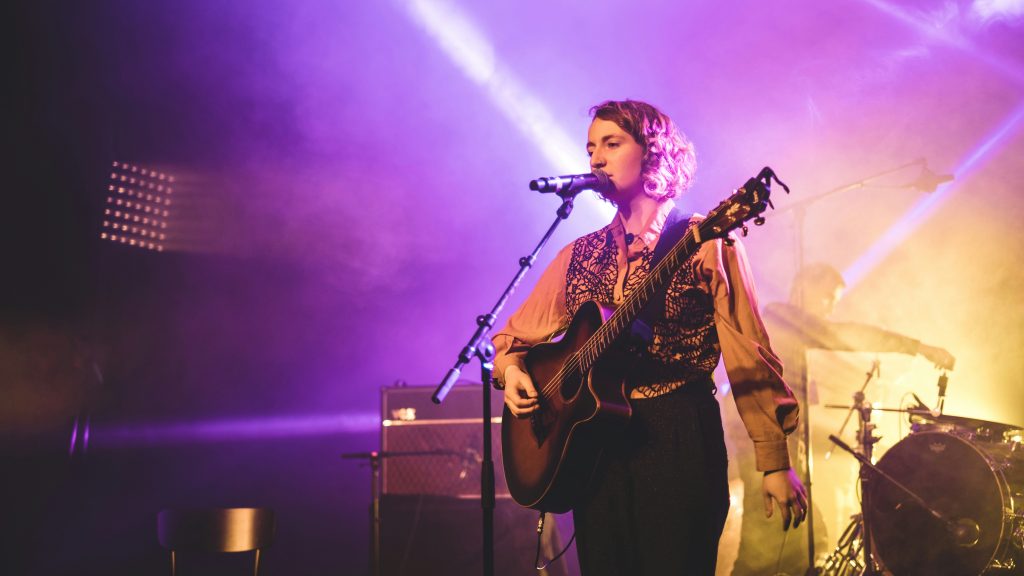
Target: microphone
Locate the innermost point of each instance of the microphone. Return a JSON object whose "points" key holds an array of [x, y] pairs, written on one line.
{"points": [[571, 185], [928, 181]]}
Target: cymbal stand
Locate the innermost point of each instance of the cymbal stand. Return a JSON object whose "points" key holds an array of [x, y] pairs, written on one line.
{"points": [[853, 555], [873, 372], [867, 440]]}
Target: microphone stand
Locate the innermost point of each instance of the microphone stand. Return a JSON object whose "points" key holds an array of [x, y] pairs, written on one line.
{"points": [[799, 210], [481, 347]]}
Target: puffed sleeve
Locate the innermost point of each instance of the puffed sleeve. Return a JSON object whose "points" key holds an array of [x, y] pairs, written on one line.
{"points": [[541, 316], [765, 403]]}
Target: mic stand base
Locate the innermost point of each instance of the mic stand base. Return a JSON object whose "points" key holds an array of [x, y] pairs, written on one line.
{"points": [[846, 559]]}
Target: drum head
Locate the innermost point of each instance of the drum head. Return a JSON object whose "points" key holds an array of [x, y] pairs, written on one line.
{"points": [[955, 479]]}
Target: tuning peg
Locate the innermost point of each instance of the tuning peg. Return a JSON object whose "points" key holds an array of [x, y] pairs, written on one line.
{"points": [[728, 241], [745, 230], [759, 221]]}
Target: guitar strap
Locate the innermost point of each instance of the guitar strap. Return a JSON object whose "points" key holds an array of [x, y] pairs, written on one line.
{"points": [[675, 227]]}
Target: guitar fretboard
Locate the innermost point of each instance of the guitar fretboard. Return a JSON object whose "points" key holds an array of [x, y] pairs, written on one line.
{"points": [[657, 281]]}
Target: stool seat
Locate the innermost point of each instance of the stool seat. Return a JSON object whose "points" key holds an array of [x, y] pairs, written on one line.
{"points": [[216, 530]]}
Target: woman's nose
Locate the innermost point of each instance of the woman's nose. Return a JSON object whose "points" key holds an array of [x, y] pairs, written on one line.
{"points": [[596, 162]]}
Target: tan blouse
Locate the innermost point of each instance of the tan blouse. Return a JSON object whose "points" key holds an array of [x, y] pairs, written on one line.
{"points": [[732, 326]]}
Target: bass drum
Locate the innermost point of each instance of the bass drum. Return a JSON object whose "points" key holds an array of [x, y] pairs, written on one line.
{"points": [[970, 482]]}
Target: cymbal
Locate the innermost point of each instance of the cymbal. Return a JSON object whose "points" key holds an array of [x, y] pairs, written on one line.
{"points": [[924, 416]]}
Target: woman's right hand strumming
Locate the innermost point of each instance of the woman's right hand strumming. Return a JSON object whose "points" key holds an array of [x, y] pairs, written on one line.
{"points": [[520, 394]]}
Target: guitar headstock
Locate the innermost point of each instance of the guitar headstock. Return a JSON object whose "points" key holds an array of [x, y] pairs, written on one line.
{"points": [[746, 203]]}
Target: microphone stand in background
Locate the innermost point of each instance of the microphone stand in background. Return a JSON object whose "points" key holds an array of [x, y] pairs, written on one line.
{"points": [[926, 182], [481, 347]]}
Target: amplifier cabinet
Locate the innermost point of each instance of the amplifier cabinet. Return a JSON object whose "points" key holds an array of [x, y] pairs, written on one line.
{"points": [[437, 450]]}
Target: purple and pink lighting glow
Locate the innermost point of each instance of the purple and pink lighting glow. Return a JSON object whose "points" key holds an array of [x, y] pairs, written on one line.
{"points": [[927, 205], [233, 430], [351, 192]]}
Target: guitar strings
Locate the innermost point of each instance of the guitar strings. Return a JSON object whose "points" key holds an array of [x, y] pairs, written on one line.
{"points": [[589, 349]]}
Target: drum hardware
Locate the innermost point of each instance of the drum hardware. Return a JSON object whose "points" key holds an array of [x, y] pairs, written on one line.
{"points": [[846, 559], [858, 399], [975, 523], [978, 483], [946, 500], [970, 429], [854, 553], [999, 465], [965, 532], [943, 381], [1010, 566]]}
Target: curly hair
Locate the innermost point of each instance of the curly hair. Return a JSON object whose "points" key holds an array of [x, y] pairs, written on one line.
{"points": [[670, 160]]}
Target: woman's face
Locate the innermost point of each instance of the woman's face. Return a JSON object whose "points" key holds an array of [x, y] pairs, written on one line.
{"points": [[613, 150]]}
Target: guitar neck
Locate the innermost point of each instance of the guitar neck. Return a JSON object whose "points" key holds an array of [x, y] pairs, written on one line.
{"points": [[656, 282]]}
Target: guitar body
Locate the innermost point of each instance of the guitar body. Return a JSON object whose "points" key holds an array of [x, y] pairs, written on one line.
{"points": [[550, 457]]}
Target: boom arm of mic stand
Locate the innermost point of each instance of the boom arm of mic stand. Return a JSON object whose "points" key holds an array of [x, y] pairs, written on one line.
{"points": [[862, 183], [475, 346]]}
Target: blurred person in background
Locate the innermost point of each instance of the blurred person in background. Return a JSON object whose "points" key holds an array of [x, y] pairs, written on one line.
{"points": [[795, 327]]}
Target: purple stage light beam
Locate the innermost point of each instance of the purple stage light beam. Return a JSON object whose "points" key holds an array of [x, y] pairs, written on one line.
{"points": [[929, 203], [942, 27], [468, 48], [232, 430]]}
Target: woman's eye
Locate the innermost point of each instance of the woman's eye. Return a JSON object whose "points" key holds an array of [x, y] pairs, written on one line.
{"points": [[613, 144]]}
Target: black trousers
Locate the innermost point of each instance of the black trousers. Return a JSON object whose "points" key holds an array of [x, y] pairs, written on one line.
{"points": [[658, 501]]}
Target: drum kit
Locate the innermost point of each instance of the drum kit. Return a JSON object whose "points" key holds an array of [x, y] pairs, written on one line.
{"points": [[948, 499]]}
